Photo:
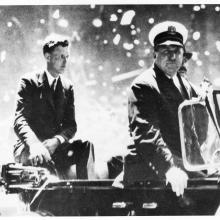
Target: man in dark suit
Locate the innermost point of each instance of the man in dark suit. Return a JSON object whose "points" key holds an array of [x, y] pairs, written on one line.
{"points": [[45, 117], [153, 104]]}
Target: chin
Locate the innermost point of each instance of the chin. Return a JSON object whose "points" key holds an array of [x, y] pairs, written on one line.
{"points": [[170, 73], [61, 71]]}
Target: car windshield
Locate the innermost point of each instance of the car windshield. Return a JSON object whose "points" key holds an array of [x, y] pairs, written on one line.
{"points": [[200, 136]]}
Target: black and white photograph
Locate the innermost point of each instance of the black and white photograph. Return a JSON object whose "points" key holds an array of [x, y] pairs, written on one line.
{"points": [[109, 109]]}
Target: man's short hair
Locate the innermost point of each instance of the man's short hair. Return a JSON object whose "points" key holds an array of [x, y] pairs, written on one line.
{"points": [[53, 41]]}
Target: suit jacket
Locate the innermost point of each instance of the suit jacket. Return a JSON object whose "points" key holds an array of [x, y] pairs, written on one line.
{"points": [[153, 122], [36, 117]]}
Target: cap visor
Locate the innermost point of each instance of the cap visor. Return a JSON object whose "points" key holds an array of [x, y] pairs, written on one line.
{"points": [[170, 42]]}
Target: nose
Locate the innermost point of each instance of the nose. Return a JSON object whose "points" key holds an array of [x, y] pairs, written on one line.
{"points": [[64, 60], [172, 55]]}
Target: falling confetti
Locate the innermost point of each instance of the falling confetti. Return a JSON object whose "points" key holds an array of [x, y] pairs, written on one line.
{"points": [[97, 22], [113, 17], [127, 17], [128, 46], [56, 14], [63, 23], [116, 39], [3, 56], [196, 35]]}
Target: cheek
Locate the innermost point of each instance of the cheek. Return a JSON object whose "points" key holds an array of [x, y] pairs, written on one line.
{"points": [[57, 62], [162, 59], [180, 59]]}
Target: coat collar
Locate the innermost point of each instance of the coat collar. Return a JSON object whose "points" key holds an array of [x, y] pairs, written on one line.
{"points": [[184, 84], [42, 79]]}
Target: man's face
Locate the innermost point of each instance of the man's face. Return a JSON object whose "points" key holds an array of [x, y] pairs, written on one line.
{"points": [[57, 59], [169, 58]]}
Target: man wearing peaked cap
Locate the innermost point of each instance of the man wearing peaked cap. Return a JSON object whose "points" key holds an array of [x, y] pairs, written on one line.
{"points": [[153, 102], [168, 33]]}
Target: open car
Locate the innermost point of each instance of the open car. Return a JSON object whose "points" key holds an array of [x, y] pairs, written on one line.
{"points": [[199, 121]]}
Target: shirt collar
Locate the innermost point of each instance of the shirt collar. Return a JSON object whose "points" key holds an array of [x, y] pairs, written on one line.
{"points": [[50, 77]]}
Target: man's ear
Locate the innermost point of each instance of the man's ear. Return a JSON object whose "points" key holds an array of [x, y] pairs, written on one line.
{"points": [[155, 55], [47, 57]]}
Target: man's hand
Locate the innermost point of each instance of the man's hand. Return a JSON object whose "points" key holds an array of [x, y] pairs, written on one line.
{"points": [[51, 144], [177, 179], [38, 154]]}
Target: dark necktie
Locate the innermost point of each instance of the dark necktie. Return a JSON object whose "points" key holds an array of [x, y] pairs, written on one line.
{"points": [[180, 90], [56, 91], [53, 85]]}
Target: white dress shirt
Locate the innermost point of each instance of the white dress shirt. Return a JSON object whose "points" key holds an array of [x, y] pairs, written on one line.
{"points": [[51, 79]]}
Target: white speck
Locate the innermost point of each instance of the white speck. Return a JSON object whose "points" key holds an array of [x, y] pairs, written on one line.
{"points": [[151, 20], [75, 36], [3, 56], [70, 153], [202, 6], [128, 54], [105, 41], [97, 22], [116, 39], [113, 17], [128, 46], [147, 51], [207, 53], [119, 10], [114, 30], [127, 17], [196, 8], [117, 69], [9, 24], [196, 35], [137, 42], [199, 62], [138, 30], [133, 32], [63, 23], [217, 43], [141, 63], [100, 68], [42, 21], [56, 14], [217, 8], [104, 84], [92, 6], [194, 55], [132, 26]]}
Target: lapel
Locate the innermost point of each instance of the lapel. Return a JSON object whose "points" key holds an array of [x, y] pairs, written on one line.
{"points": [[185, 87], [167, 88], [45, 90]]}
